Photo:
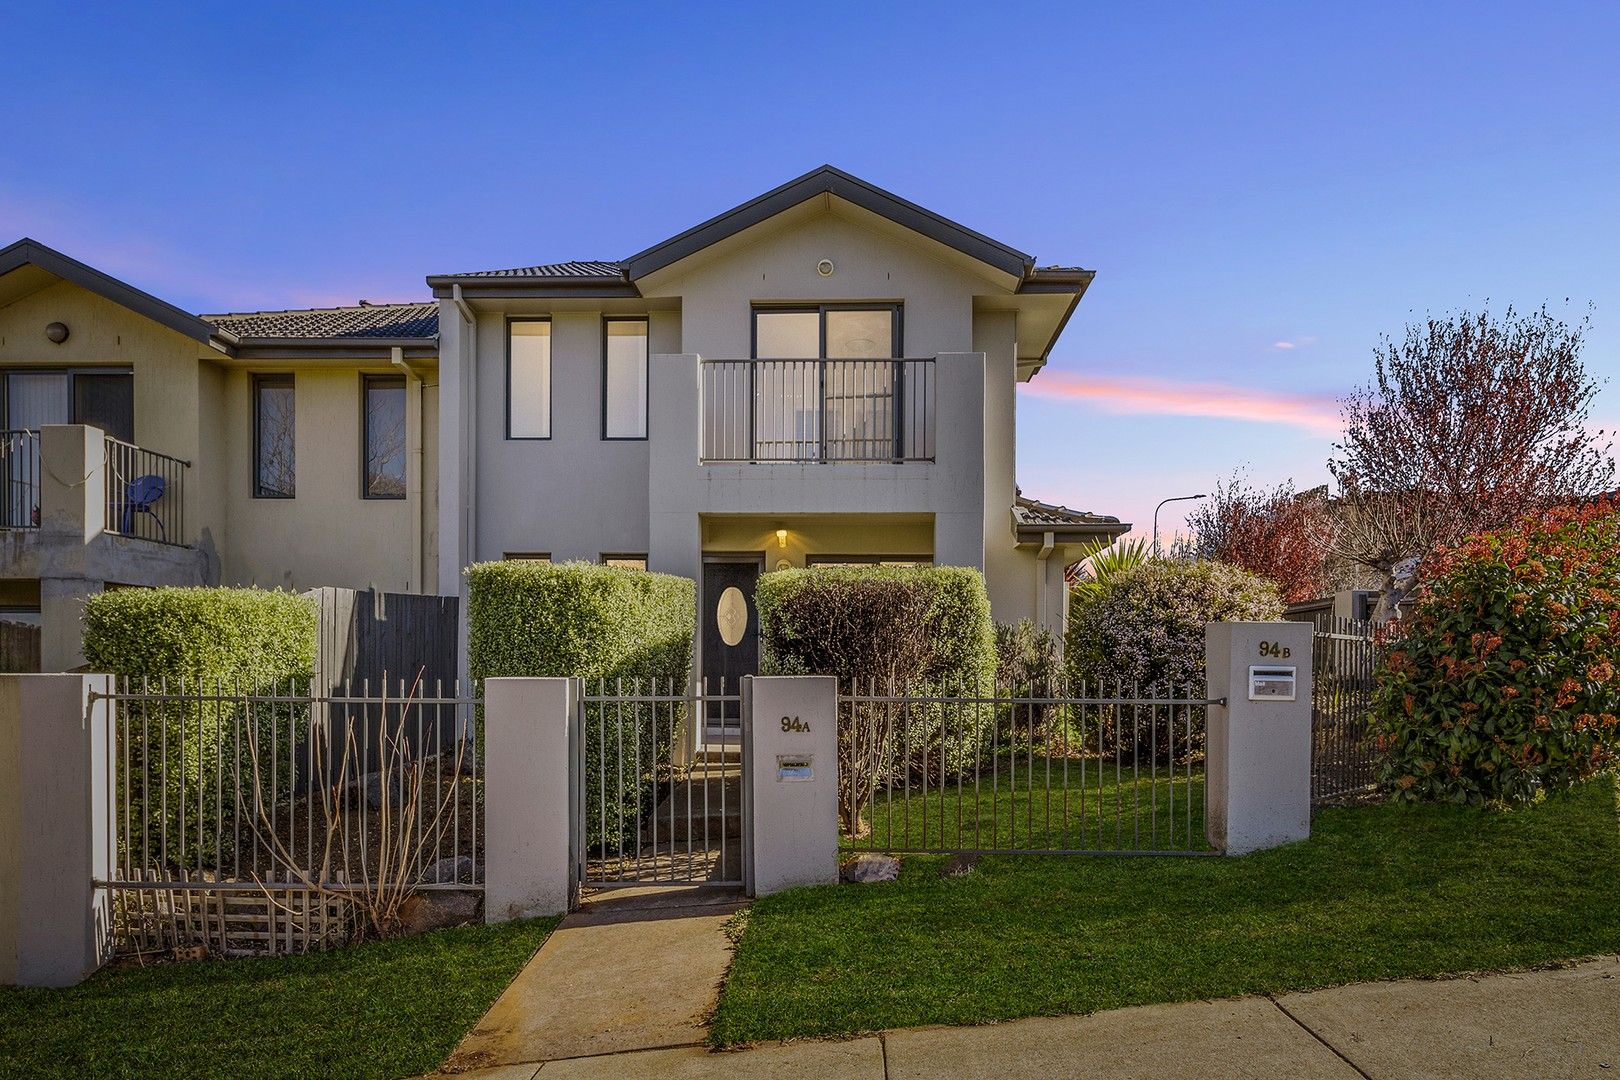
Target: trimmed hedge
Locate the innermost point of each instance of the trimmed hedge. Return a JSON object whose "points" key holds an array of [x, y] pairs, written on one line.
{"points": [[1144, 628], [922, 630], [250, 640], [578, 619], [1503, 683]]}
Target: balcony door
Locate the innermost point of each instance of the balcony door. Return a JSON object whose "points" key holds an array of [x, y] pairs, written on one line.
{"points": [[103, 398], [842, 410]]}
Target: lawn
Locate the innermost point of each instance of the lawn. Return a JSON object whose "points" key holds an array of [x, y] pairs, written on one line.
{"points": [[385, 1009], [1378, 892]]}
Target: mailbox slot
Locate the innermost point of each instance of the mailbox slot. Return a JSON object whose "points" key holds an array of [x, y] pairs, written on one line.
{"points": [[1272, 682], [794, 768]]}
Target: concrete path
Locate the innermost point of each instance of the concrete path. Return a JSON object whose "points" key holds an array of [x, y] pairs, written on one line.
{"points": [[1540, 1024], [634, 969]]}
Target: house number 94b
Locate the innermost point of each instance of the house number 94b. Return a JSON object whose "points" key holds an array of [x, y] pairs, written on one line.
{"points": [[1275, 648], [793, 723]]}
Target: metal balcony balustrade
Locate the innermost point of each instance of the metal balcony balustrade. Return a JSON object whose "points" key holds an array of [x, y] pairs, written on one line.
{"points": [[822, 410]]}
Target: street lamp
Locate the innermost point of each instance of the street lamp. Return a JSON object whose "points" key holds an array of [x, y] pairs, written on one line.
{"points": [[1178, 498]]}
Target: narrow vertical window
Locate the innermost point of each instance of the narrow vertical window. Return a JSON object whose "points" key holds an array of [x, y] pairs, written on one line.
{"points": [[528, 379], [274, 463], [624, 379], [383, 422]]}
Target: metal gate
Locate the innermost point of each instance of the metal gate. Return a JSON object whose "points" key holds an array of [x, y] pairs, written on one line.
{"points": [[660, 792], [1345, 662]]}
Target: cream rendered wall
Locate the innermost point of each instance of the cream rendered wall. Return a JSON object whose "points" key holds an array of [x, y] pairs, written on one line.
{"points": [[328, 534], [1009, 574], [166, 365], [822, 534], [575, 495], [717, 294]]}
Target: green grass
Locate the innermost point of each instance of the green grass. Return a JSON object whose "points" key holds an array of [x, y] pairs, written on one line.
{"points": [[1040, 803], [1378, 892], [384, 1009]]}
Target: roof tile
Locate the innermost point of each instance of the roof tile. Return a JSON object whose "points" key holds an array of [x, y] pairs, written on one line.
{"points": [[361, 321]]}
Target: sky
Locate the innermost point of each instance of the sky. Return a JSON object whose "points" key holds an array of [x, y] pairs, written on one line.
{"points": [[1262, 189]]}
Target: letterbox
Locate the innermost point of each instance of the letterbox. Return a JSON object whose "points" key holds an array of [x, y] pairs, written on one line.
{"points": [[1272, 682]]}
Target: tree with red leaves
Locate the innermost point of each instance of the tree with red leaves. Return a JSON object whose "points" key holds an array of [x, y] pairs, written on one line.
{"points": [[1470, 423], [1277, 533]]}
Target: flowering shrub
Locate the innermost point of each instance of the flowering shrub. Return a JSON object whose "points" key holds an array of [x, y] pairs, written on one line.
{"points": [[1502, 684], [1145, 629]]}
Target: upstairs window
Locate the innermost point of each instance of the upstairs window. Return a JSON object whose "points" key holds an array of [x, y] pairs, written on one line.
{"points": [[528, 379], [274, 430], [383, 424], [624, 378]]}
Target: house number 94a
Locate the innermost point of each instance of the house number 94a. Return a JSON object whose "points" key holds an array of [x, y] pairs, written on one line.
{"points": [[793, 723], [1275, 648]]}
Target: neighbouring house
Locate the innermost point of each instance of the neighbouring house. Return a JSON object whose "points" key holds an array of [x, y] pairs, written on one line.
{"points": [[823, 375]]}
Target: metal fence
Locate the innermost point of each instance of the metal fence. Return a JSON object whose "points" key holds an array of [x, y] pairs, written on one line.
{"points": [[1345, 664], [1061, 769], [818, 410], [658, 797], [145, 493], [242, 817], [20, 507]]}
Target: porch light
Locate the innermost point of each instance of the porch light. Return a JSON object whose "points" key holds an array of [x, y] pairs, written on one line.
{"points": [[781, 538]]}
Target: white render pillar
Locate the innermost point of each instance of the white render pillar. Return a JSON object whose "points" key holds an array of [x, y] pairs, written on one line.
{"points": [[528, 765], [1258, 758], [793, 781], [56, 830]]}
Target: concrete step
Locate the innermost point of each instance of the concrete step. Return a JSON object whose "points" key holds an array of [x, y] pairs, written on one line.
{"points": [[692, 815]]}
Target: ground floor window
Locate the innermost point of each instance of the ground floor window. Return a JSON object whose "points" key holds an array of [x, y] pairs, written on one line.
{"points": [[868, 560], [632, 562], [527, 556]]}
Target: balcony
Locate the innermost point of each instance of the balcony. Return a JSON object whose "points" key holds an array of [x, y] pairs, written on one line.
{"points": [[142, 492], [818, 411]]}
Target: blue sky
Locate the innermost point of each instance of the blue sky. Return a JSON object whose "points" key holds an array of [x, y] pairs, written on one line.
{"points": [[1262, 188]]}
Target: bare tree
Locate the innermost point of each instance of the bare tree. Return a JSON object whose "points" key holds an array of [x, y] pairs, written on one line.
{"points": [[1277, 533], [1470, 421]]}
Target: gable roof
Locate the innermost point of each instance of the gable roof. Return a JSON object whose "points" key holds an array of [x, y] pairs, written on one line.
{"points": [[361, 322], [29, 252], [590, 277], [828, 180]]}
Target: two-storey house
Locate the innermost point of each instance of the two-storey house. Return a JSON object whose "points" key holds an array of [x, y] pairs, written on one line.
{"points": [[823, 375]]}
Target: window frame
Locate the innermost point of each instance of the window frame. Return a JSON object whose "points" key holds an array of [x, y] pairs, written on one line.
{"points": [[404, 386], [543, 557], [896, 344], [260, 380], [646, 379], [72, 371], [836, 560], [606, 557], [550, 365]]}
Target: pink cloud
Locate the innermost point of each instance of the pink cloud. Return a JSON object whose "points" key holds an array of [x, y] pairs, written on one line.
{"points": [[1132, 395]]}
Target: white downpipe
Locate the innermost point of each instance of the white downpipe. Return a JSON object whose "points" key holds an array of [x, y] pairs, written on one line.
{"points": [[413, 462], [1042, 606]]}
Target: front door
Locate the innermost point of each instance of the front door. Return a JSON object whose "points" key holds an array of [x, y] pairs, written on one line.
{"points": [[730, 631]]}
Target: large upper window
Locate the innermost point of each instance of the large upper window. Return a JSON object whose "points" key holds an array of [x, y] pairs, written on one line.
{"points": [[624, 379], [274, 461], [853, 332], [384, 427], [528, 379]]}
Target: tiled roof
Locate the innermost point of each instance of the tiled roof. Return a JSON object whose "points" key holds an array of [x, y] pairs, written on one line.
{"points": [[1027, 511], [361, 321], [579, 268]]}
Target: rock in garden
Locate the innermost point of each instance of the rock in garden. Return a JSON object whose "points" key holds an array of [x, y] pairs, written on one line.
{"points": [[959, 866], [869, 869], [374, 791], [456, 868], [439, 909]]}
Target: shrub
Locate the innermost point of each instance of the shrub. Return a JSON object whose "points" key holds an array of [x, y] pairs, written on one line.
{"points": [[600, 623], [1027, 666], [1502, 683], [918, 630], [197, 639], [1144, 629]]}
